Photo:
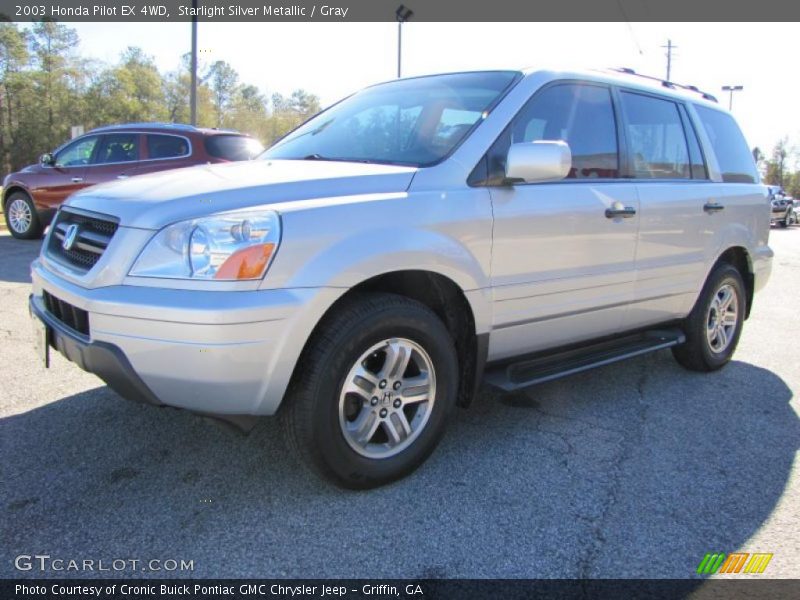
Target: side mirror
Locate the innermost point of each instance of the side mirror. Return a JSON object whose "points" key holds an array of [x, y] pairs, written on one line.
{"points": [[47, 159], [538, 161]]}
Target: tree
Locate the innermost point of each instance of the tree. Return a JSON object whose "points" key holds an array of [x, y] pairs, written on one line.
{"points": [[288, 113], [223, 80], [776, 166], [132, 91], [52, 45], [13, 57], [46, 87]]}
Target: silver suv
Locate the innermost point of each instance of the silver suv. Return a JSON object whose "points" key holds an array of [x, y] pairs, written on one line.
{"points": [[424, 235]]}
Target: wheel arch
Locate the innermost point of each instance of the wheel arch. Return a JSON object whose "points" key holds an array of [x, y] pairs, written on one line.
{"points": [[739, 257], [14, 187], [447, 300]]}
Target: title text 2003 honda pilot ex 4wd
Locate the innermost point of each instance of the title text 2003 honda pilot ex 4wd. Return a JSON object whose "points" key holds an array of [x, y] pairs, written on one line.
{"points": [[371, 268]]}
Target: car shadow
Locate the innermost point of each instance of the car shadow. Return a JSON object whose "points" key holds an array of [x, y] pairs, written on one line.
{"points": [[16, 257], [627, 471]]}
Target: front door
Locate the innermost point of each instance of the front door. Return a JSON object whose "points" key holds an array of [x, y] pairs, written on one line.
{"points": [[66, 175], [563, 258]]}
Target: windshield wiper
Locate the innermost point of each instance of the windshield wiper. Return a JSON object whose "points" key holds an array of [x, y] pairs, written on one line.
{"points": [[365, 161], [336, 159]]}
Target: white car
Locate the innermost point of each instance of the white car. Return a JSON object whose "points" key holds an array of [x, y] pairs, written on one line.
{"points": [[375, 265]]}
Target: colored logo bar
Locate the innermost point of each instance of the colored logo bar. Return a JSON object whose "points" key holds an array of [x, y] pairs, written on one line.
{"points": [[736, 562]]}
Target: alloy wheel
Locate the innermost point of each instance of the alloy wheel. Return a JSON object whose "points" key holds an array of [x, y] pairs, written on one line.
{"points": [[20, 216], [387, 398], [722, 318]]}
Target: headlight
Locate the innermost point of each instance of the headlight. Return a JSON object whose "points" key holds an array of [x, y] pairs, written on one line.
{"points": [[229, 246]]}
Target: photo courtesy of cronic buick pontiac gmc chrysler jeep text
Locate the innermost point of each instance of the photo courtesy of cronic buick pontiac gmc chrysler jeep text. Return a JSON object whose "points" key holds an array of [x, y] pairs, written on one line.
{"points": [[366, 273]]}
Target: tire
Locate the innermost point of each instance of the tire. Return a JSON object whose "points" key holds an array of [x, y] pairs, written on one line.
{"points": [[352, 347], [790, 219], [22, 219], [707, 350], [785, 222]]}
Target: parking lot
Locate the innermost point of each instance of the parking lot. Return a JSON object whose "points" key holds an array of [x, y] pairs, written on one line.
{"points": [[633, 470]]}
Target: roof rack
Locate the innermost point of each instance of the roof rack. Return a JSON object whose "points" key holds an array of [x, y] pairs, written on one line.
{"points": [[667, 84]]}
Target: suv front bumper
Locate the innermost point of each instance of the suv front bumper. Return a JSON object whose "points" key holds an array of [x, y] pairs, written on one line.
{"points": [[217, 353]]}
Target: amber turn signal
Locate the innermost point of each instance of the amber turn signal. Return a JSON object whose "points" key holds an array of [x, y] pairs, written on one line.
{"points": [[247, 263]]}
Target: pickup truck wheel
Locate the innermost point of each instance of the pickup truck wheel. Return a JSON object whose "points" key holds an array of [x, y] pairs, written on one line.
{"points": [[21, 217], [715, 323], [372, 392]]}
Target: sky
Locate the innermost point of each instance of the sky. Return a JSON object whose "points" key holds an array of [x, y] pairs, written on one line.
{"points": [[335, 59]]}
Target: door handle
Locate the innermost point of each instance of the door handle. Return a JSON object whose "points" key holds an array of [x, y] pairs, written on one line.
{"points": [[122, 176], [625, 212], [711, 207], [77, 179]]}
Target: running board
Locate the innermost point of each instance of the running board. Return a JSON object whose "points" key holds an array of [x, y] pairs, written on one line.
{"points": [[546, 367]]}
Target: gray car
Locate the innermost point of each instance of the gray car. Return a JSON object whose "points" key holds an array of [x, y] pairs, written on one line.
{"points": [[373, 267]]}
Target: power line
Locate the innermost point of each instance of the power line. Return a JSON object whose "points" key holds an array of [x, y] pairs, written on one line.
{"points": [[630, 27]]}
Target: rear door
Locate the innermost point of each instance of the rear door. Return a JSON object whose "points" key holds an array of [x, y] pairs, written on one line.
{"points": [[117, 156], [562, 270], [675, 226], [164, 151]]}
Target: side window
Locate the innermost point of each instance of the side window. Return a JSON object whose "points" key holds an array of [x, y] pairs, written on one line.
{"points": [[166, 146], [733, 155], [695, 153], [581, 115], [658, 147], [117, 148], [78, 153]]}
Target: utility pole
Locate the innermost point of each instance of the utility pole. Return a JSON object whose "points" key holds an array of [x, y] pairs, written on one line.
{"points": [[669, 48], [193, 92], [403, 14], [730, 89]]}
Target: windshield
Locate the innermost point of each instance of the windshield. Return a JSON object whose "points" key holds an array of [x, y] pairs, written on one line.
{"points": [[414, 122]]}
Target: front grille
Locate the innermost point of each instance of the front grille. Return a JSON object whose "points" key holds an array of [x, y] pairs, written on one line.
{"points": [[73, 317], [92, 236]]}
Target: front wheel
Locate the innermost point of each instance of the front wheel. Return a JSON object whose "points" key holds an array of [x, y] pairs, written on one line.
{"points": [[21, 217], [713, 327], [372, 392]]}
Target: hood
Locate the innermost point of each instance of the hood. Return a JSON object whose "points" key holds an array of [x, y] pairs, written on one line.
{"points": [[155, 200]]}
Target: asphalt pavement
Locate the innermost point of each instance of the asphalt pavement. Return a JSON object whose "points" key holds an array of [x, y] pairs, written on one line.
{"points": [[633, 470]]}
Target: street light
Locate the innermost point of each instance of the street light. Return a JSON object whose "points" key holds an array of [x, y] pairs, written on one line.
{"points": [[403, 14], [730, 89]]}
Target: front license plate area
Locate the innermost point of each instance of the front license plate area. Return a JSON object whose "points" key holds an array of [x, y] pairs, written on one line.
{"points": [[42, 341]]}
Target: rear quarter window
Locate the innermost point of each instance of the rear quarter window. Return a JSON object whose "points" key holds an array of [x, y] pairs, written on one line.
{"points": [[733, 155], [233, 147]]}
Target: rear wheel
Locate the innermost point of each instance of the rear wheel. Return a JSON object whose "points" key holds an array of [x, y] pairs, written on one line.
{"points": [[372, 393], [715, 323], [21, 217]]}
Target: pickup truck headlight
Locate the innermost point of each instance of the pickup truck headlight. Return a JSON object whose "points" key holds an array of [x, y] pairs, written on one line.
{"points": [[231, 246]]}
